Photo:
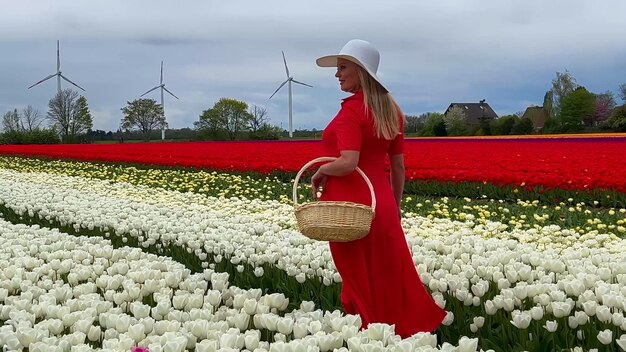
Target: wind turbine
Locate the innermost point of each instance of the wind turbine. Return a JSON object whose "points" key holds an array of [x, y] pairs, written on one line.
{"points": [[162, 86], [57, 74], [289, 80]]}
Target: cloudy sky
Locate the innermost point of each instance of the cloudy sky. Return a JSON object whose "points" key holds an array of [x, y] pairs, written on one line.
{"points": [[433, 52]]}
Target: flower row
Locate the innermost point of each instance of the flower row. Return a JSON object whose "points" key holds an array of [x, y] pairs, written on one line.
{"points": [[530, 163]]}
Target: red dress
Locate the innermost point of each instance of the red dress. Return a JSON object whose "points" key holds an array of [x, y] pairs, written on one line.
{"points": [[380, 282]]}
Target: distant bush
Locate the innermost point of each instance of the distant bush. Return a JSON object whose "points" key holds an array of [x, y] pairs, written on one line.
{"points": [[36, 136]]}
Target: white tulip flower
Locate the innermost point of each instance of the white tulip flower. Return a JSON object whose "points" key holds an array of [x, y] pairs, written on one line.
{"points": [[605, 337]]}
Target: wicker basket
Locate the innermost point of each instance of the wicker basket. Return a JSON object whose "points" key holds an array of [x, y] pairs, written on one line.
{"points": [[332, 220]]}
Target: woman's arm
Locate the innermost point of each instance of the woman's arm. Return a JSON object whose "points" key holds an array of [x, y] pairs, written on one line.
{"points": [[345, 164], [396, 164]]}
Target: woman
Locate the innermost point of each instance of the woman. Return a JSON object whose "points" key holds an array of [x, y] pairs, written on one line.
{"points": [[380, 282]]}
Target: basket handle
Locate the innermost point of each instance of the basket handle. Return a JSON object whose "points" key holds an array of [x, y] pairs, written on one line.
{"points": [[328, 158]]}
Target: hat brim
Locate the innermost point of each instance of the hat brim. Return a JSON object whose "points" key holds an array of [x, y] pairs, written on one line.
{"points": [[331, 61]]}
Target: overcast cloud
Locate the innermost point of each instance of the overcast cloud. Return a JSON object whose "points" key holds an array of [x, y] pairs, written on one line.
{"points": [[432, 52]]}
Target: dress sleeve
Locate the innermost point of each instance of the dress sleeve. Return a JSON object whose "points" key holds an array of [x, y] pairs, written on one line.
{"points": [[397, 144], [349, 130]]}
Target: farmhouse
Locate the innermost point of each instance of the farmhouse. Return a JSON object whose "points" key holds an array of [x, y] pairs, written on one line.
{"points": [[538, 116], [475, 113]]}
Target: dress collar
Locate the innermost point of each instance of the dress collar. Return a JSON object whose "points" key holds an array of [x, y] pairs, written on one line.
{"points": [[356, 96]]}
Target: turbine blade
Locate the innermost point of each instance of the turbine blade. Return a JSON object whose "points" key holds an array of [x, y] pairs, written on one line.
{"points": [[285, 61], [150, 90], [161, 71], [172, 94], [67, 79], [45, 79], [304, 84], [276, 91]]}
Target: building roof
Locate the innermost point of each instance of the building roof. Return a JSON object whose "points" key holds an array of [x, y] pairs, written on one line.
{"points": [[475, 112], [536, 114]]}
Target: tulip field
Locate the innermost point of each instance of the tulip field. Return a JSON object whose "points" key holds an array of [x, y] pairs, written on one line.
{"points": [[194, 247]]}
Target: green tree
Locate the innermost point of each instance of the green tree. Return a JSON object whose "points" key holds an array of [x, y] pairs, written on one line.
{"points": [[618, 119], [548, 101], [66, 117], [83, 122], [455, 121], [576, 109], [522, 126], [434, 126], [143, 114], [503, 125], [227, 115]]}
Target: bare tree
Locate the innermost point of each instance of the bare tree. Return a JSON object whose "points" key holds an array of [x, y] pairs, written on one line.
{"points": [[11, 121], [258, 118], [31, 118], [67, 116], [563, 85], [622, 92]]}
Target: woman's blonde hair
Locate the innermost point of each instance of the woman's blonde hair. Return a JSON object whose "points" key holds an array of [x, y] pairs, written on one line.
{"points": [[382, 105]]}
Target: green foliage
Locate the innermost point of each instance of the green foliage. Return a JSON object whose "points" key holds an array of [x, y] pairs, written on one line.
{"points": [[522, 126], [618, 119], [434, 126], [144, 115], [576, 109], [502, 126], [265, 132], [455, 121], [36, 136], [228, 117], [548, 102]]}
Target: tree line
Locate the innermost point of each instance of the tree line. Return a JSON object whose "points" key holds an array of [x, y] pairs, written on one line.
{"points": [[68, 120], [567, 108]]}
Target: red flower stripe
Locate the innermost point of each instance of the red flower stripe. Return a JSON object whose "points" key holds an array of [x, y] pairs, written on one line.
{"points": [[573, 163]]}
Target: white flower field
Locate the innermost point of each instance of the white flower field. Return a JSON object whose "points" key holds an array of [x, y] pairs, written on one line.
{"points": [[104, 257]]}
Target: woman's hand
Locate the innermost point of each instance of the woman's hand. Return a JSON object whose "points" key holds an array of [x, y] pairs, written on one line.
{"points": [[318, 180]]}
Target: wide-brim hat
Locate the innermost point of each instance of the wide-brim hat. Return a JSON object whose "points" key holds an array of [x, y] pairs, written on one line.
{"points": [[358, 51]]}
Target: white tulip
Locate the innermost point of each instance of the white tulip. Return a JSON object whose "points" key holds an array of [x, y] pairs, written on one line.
{"points": [[521, 320], [551, 325], [468, 345], [536, 312], [621, 342], [605, 337], [206, 346], [94, 333]]}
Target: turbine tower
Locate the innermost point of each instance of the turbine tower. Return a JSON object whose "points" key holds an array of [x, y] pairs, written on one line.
{"points": [[57, 74], [162, 86], [289, 80]]}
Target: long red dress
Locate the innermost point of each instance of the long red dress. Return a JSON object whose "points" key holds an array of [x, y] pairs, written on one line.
{"points": [[380, 282]]}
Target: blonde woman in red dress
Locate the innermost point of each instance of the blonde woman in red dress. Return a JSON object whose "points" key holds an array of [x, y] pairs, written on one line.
{"points": [[379, 279]]}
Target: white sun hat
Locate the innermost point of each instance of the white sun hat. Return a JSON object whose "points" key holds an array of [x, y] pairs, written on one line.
{"points": [[358, 51]]}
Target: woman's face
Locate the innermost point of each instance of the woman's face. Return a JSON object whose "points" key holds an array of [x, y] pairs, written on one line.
{"points": [[348, 75]]}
